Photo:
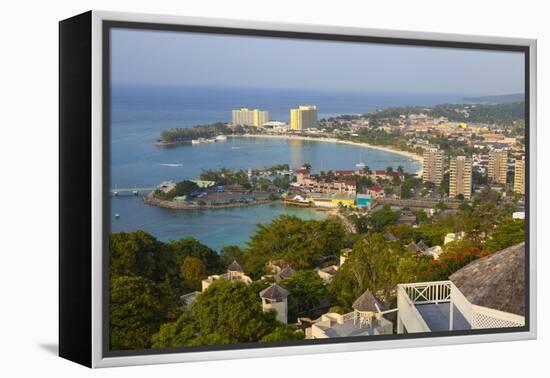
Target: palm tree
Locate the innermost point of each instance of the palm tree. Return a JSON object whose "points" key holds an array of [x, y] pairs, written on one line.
{"points": [[367, 170], [400, 169]]}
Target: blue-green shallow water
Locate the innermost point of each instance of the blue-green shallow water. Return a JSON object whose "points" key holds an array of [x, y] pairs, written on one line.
{"points": [[139, 114], [215, 228]]}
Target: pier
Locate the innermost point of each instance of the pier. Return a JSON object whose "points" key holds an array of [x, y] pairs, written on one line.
{"points": [[134, 191]]}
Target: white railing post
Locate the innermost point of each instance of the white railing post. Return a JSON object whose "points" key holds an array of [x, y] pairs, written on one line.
{"points": [[437, 294], [451, 315]]}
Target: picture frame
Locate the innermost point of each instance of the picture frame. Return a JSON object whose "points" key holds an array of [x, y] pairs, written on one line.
{"points": [[85, 187]]}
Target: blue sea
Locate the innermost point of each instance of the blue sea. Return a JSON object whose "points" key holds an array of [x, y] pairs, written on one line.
{"points": [[140, 113]]}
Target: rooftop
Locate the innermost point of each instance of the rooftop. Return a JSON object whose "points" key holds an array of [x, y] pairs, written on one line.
{"points": [[496, 281], [366, 302], [235, 267], [274, 292]]}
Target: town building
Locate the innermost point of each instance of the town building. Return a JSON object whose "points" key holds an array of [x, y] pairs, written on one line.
{"points": [[363, 201], [274, 298], [460, 180], [487, 293], [249, 117], [451, 237], [433, 165], [519, 176], [498, 166], [375, 191], [332, 199], [305, 117], [276, 126], [234, 273], [406, 217]]}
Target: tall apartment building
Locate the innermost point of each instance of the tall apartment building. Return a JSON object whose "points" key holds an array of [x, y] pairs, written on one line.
{"points": [[249, 117], [519, 176], [498, 166], [460, 180], [433, 165], [305, 117]]}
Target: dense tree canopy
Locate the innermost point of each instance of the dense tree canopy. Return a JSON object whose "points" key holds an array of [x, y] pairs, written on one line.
{"points": [[192, 272], [227, 312], [135, 312], [294, 240], [372, 264], [382, 218], [307, 290]]}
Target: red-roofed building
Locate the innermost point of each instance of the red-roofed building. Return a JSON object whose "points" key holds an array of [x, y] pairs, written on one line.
{"points": [[380, 173], [344, 173], [376, 191], [302, 174]]}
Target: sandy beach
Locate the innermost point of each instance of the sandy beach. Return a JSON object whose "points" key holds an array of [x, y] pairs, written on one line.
{"points": [[408, 154]]}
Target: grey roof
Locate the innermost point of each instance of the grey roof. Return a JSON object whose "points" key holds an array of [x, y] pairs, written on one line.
{"points": [[496, 281], [274, 292], [422, 245], [235, 267], [286, 272], [414, 247], [389, 236], [366, 302]]}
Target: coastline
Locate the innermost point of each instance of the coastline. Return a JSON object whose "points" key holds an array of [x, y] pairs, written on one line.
{"points": [[150, 199], [407, 154]]}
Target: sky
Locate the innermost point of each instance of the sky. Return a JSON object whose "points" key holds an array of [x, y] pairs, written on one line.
{"points": [[211, 60]]}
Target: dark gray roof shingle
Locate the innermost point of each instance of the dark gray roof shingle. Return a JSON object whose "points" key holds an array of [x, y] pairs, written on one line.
{"points": [[366, 302], [496, 281], [274, 292], [235, 267]]}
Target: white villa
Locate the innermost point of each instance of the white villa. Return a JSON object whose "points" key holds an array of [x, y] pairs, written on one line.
{"points": [[327, 273], [234, 273], [365, 320], [487, 293]]}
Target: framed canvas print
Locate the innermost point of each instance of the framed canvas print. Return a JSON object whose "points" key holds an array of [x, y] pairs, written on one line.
{"points": [[233, 189]]}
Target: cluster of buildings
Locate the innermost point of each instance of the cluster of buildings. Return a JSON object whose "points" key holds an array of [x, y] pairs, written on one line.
{"points": [[302, 118], [487, 293], [316, 191], [496, 166]]}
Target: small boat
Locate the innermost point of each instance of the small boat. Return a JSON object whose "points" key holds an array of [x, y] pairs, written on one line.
{"points": [[117, 215], [171, 164], [360, 164], [298, 201], [221, 138]]}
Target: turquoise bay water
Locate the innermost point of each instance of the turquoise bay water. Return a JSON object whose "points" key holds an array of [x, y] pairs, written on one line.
{"points": [[140, 114]]}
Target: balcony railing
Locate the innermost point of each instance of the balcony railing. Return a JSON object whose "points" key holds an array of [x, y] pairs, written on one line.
{"points": [[411, 294], [428, 292]]}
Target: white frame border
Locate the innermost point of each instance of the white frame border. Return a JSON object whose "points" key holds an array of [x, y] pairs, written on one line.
{"points": [[97, 189]]}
